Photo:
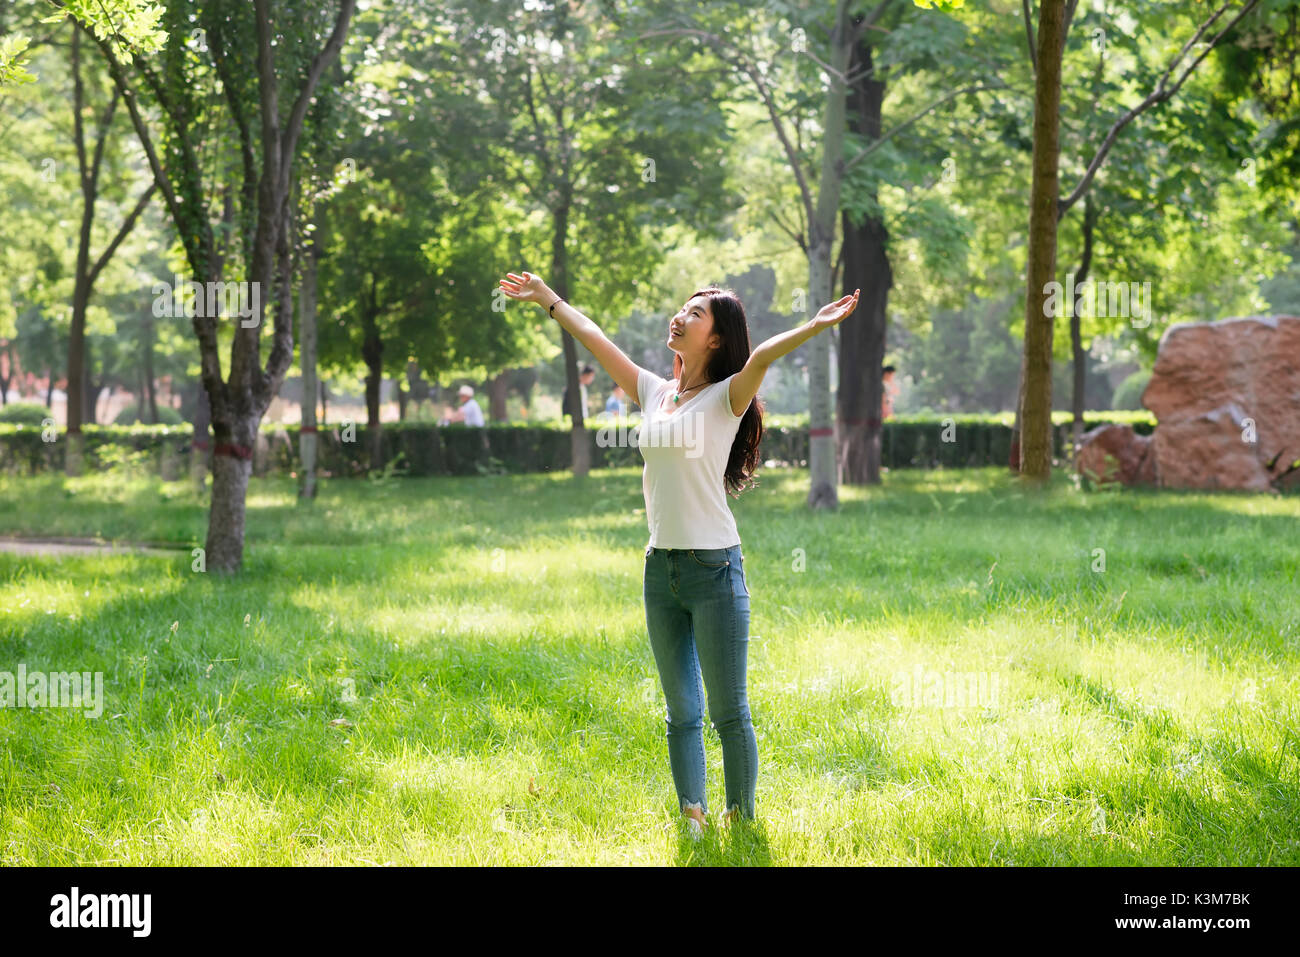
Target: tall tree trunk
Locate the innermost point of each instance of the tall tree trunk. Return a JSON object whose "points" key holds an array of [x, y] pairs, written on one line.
{"points": [[416, 387], [524, 382], [49, 391], [232, 465], [201, 447], [1036, 414], [141, 406], [201, 457], [1076, 329], [865, 255], [580, 451], [401, 399], [77, 361], [372, 352], [497, 388], [77, 375], [8, 373], [151, 392], [307, 435], [862, 352], [821, 234], [89, 393], [1014, 460]]}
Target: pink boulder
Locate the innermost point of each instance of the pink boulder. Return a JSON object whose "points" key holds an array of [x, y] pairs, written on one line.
{"points": [[1226, 395], [1227, 398], [1115, 453]]}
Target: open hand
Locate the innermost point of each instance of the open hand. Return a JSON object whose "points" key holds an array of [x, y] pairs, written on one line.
{"points": [[527, 287], [836, 311]]}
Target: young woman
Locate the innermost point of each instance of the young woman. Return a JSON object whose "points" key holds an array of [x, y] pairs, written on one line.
{"points": [[699, 436]]}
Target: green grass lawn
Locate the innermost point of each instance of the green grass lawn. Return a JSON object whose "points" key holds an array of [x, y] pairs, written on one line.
{"points": [[484, 639]]}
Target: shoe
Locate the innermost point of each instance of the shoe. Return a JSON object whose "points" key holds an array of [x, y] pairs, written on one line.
{"points": [[696, 824]]}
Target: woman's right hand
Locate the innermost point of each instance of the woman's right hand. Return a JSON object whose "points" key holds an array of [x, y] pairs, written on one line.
{"points": [[527, 287]]}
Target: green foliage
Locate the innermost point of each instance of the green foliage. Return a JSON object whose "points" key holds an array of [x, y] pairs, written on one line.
{"points": [[130, 415], [393, 467], [13, 58], [133, 25], [1282, 290], [127, 461], [451, 187], [24, 449], [1128, 394], [24, 413]]}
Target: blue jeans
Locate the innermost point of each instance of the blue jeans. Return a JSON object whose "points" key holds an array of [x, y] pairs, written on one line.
{"points": [[697, 615]]}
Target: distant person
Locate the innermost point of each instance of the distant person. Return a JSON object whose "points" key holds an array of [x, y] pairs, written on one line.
{"points": [[887, 393], [469, 411], [585, 378], [616, 404]]}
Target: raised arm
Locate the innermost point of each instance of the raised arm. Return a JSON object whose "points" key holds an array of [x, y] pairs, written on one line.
{"points": [[746, 382], [530, 288]]}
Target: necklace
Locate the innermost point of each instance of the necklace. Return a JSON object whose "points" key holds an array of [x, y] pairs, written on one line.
{"points": [[678, 395]]}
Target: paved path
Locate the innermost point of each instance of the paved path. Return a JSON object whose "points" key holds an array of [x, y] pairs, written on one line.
{"points": [[78, 546]]}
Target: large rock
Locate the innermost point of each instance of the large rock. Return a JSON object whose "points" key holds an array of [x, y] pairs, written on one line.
{"points": [[1115, 453], [1227, 398], [1226, 395]]}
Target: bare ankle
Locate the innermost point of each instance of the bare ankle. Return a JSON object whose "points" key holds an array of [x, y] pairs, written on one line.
{"points": [[694, 811]]}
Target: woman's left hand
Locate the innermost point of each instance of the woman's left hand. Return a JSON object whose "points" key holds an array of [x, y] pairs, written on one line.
{"points": [[835, 312]]}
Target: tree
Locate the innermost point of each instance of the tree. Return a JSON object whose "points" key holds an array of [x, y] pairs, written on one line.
{"points": [[903, 186], [836, 157], [1036, 405], [605, 149], [1046, 206], [253, 55], [376, 281], [89, 167], [134, 24]]}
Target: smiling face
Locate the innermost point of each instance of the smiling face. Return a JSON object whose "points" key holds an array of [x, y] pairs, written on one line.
{"points": [[690, 332]]}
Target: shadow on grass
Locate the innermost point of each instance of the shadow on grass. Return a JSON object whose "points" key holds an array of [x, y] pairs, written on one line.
{"points": [[221, 705], [266, 693]]}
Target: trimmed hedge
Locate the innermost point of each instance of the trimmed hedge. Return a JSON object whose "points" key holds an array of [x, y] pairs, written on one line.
{"points": [[130, 415], [422, 448], [155, 448], [25, 413]]}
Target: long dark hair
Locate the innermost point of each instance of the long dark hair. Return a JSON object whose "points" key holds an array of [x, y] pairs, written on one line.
{"points": [[728, 359]]}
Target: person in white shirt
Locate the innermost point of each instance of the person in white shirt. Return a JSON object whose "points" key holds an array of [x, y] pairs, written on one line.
{"points": [[469, 411], [699, 436]]}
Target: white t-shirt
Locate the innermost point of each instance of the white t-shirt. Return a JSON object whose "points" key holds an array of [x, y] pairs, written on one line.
{"points": [[685, 455], [473, 414]]}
